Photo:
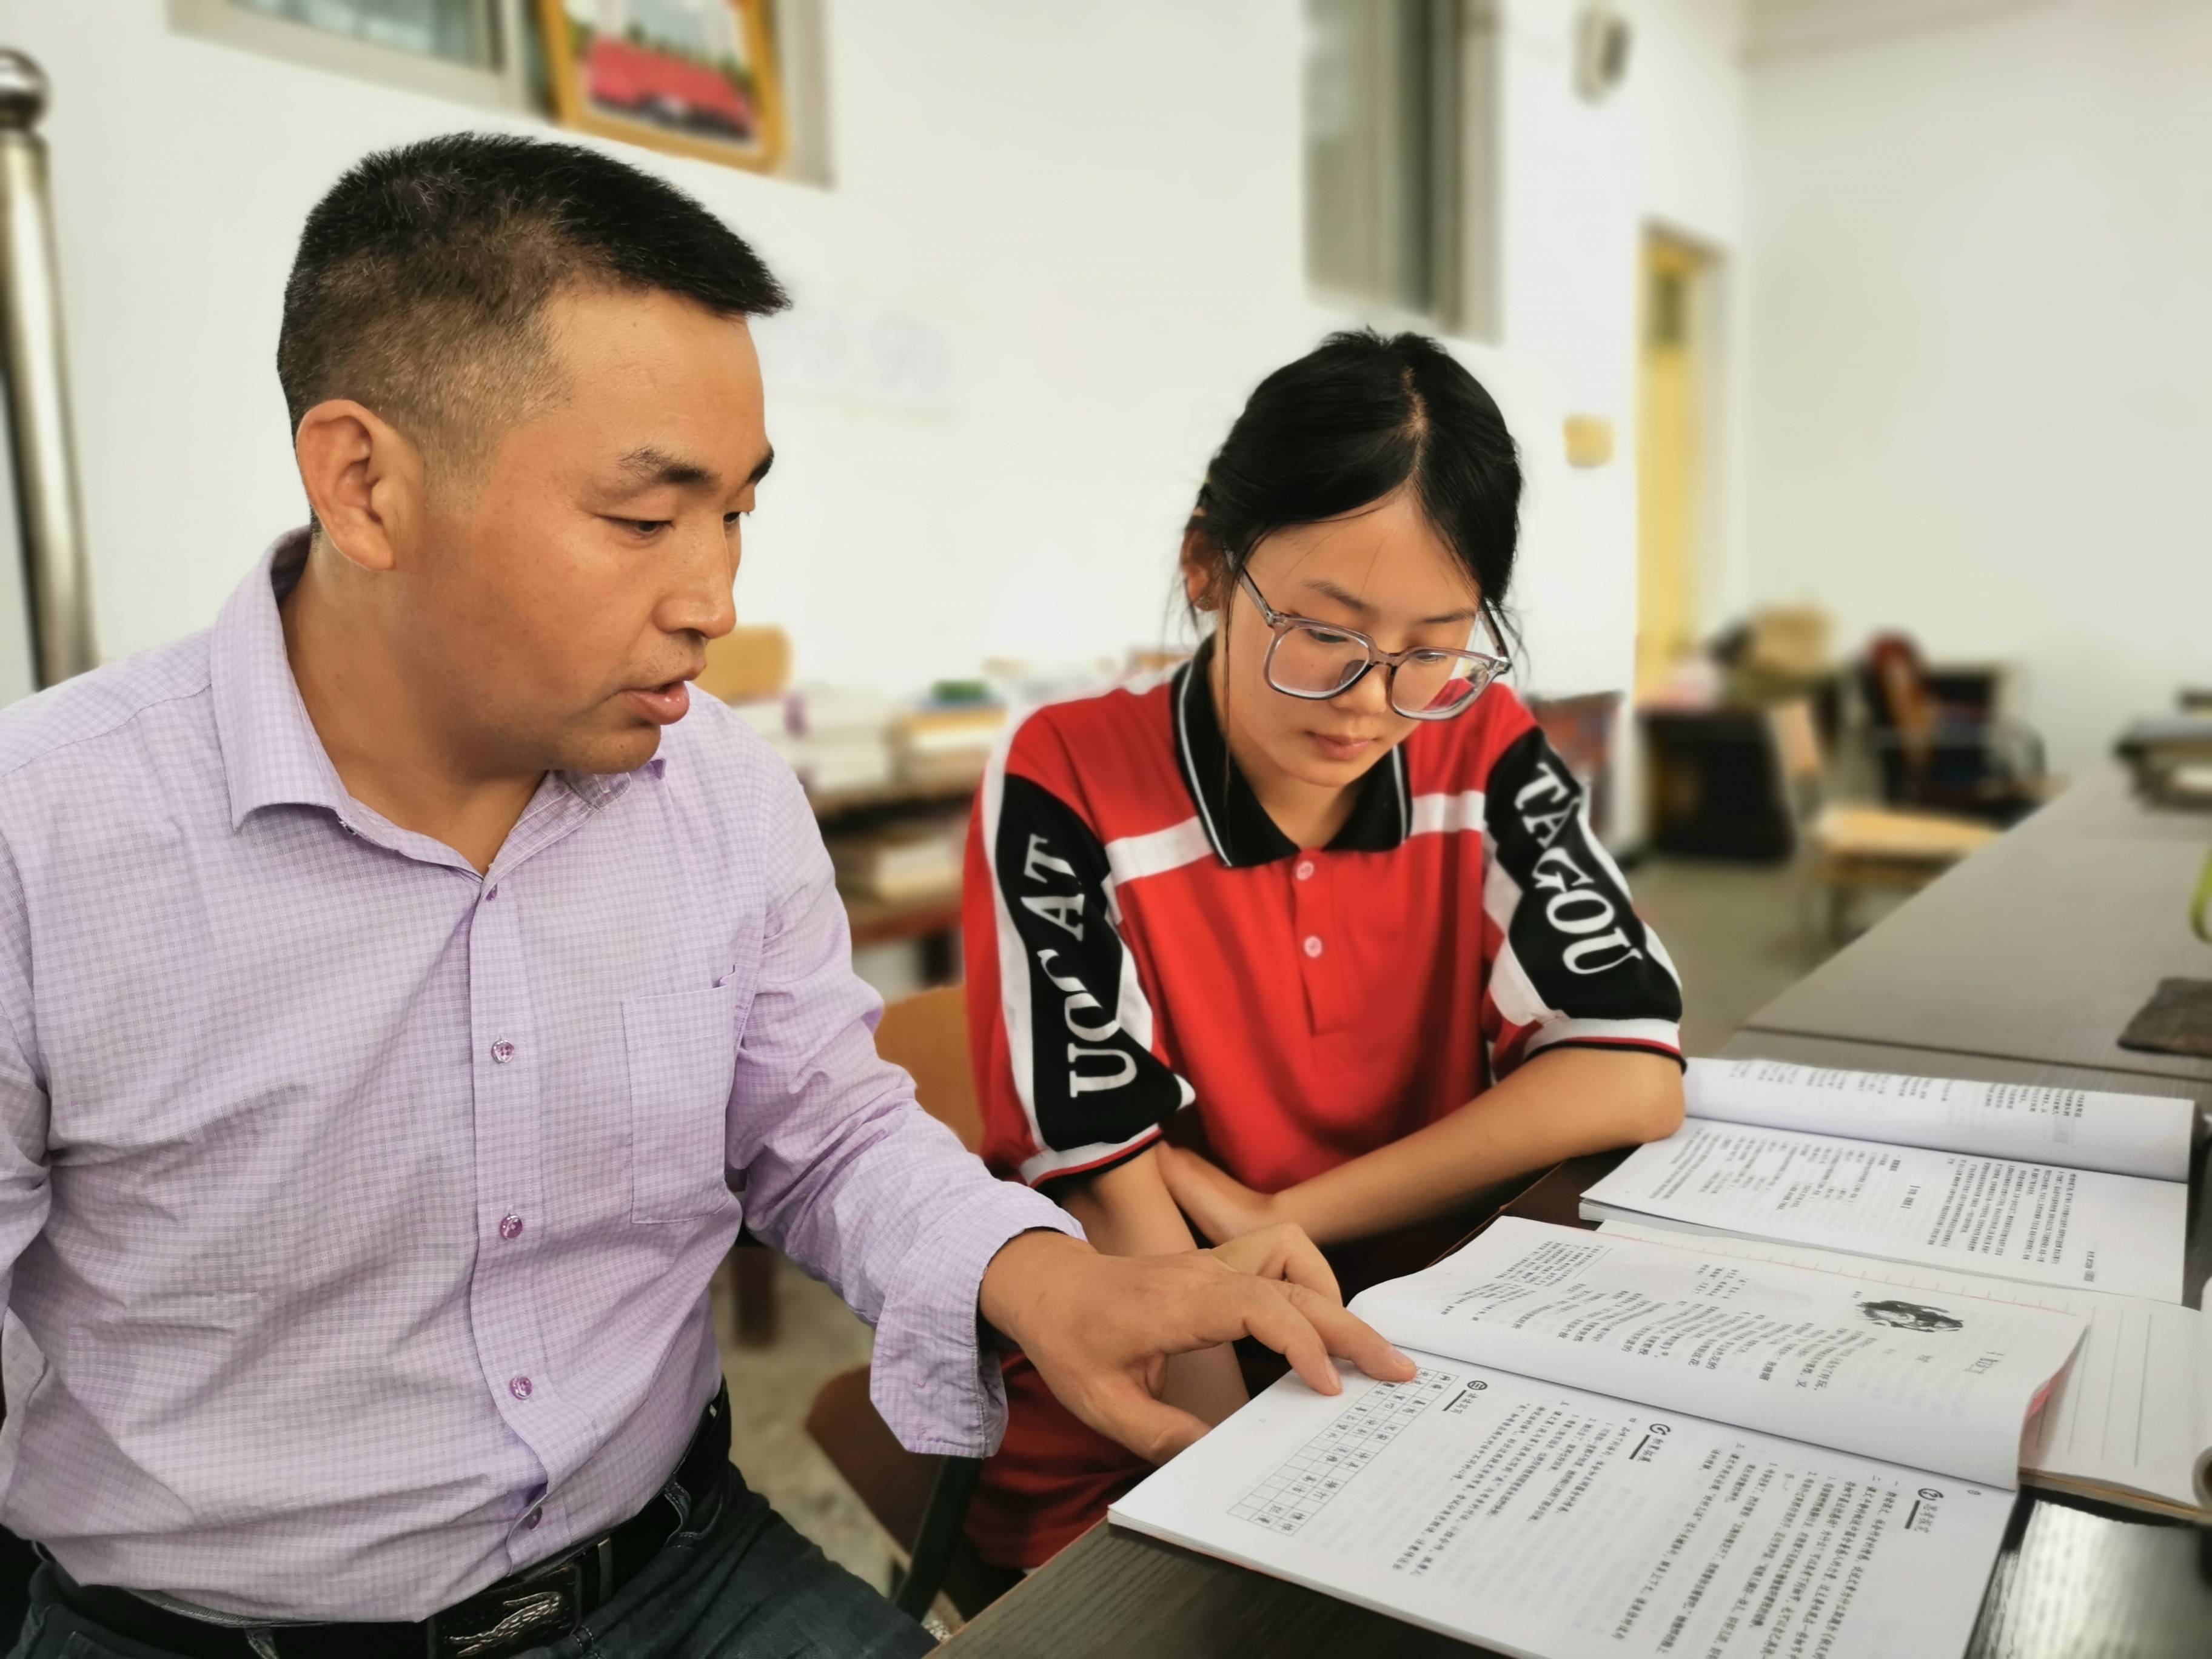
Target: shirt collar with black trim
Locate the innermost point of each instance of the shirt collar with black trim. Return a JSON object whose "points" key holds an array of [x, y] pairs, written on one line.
{"points": [[1237, 826]]}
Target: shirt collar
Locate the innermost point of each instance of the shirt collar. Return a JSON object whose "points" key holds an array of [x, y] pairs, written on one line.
{"points": [[1236, 825], [271, 754]]}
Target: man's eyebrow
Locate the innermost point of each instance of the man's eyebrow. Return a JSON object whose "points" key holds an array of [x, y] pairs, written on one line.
{"points": [[651, 466], [761, 467]]}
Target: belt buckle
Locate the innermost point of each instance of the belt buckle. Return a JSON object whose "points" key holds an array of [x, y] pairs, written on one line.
{"points": [[510, 1618]]}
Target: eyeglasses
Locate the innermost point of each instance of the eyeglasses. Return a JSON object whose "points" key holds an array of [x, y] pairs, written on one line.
{"points": [[1317, 661]]}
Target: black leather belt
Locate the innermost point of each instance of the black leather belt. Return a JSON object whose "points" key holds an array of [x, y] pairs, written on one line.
{"points": [[539, 1605]]}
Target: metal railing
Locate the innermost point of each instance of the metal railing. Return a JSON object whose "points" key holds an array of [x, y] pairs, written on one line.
{"points": [[49, 513]]}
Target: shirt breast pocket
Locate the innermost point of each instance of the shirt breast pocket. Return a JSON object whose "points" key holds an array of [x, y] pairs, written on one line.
{"points": [[683, 1053]]}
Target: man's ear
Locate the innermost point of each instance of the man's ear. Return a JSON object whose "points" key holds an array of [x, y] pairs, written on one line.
{"points": [[1202, 570], [364, 480]]}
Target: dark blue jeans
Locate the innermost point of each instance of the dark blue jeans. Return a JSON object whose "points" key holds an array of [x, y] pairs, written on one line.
{"points": [[737, 1583]]}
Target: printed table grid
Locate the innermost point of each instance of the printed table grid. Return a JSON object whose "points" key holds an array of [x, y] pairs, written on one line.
{"points": [[1296, 1491]]}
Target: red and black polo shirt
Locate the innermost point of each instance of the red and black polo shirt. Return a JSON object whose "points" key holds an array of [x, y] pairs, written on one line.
{"points": [[1141, 938]]}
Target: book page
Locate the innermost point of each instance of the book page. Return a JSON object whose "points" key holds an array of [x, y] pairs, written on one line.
{"points": [[2081, 1128], [1552, 1523], [1943, 1384], [2130, 1413], [2080, 1227]]}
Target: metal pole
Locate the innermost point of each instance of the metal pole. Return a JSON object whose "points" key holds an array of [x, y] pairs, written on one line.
{"points": [[51, 518]]}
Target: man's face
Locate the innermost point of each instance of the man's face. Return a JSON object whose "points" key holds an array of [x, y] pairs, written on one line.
{"points": [[561, 604]]}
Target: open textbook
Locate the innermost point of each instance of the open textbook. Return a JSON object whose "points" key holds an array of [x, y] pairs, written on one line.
{"points": [[1929, 1172], [1659, 1452], [2082, 1128], [2130, 1420]]}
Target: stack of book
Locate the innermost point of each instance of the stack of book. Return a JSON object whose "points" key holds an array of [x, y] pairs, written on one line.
{"points": [[904, 862], [771, 717], [842, 733], [946, 743]]}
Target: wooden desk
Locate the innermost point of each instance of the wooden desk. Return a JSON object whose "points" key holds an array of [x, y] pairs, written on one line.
{"points": [[2042, 946], [2074, 1578]]}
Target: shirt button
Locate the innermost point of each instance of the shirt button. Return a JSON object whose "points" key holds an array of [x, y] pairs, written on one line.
{"points": [[529, 1521], [1305, 869], [519, 1387], [491, 893], [501, 1052], [510, 1226], [1313, 945]]}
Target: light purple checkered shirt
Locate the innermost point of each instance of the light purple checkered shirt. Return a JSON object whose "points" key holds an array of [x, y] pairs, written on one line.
{"points": [[362, 1210]]}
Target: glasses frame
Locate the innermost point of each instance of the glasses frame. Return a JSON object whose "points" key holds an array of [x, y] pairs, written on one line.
{"points": [[1487, 665]]}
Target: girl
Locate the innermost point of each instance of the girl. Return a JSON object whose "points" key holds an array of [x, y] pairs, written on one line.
{"points": [[1326, 885]]}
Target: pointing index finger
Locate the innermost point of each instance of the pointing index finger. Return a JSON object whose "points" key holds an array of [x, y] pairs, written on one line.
{"points": [[1349, 1335]]}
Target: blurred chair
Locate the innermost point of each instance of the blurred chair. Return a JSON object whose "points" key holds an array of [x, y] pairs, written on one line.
{"points": [[1844, 849], [1939, 741], [922, 1502], [1715, 787]]}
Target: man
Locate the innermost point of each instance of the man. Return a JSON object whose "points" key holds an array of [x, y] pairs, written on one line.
{"points": [[407, 988]]}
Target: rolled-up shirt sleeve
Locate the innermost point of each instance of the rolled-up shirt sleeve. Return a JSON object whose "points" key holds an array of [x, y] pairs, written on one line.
{"points": [[846, 1174]]}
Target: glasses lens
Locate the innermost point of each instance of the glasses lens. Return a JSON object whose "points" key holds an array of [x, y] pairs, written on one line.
{"points": [[1431, 685], [1315, 662]]}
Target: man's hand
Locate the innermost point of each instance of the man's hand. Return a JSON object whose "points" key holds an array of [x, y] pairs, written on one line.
{"points": [[1099, 1328], [1223, 1207]]}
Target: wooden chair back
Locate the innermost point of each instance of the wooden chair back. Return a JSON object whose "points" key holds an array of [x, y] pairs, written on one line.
{"points": [[926, 1034], [920, 1501]]}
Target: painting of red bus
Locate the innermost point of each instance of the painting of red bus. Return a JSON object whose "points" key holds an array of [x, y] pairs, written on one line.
{"points": [[697, 77]]}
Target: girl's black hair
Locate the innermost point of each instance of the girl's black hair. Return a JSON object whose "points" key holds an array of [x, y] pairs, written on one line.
{"points": [[1354, 419]]}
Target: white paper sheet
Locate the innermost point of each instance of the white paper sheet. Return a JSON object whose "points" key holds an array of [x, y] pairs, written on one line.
{"points": [[1934, 1382], [2084, 1129], [2201, 1470], [2133, 1412], [2079, 1228], [1552, 1523]]}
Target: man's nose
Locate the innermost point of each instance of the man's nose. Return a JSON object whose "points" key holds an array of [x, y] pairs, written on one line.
{"points": [[703, 601]]}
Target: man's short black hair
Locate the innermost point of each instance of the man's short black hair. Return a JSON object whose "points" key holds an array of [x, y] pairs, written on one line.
{"points": [[422, 276]]}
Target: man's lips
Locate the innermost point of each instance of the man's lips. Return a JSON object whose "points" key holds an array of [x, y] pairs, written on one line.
{"points": [[664, 704]]}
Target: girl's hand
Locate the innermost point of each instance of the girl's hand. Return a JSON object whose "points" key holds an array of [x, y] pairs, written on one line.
{"points": [[1222, 1207]]}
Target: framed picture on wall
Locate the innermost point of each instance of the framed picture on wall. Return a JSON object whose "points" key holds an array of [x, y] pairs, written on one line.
{"points": [[693, 77]]}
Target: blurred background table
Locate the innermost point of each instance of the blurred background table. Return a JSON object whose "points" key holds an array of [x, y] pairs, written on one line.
{"points": [[2040, 947]]}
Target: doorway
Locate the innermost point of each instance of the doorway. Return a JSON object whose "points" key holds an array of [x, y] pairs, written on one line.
{"points": [[1675, 315]]}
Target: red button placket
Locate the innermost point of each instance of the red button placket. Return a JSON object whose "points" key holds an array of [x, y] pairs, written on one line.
{"points": [[1317, 940]]}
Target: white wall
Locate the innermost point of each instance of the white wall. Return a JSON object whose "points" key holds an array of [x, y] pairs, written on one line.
{"points": [[1081, 233], [1982, 348]]}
